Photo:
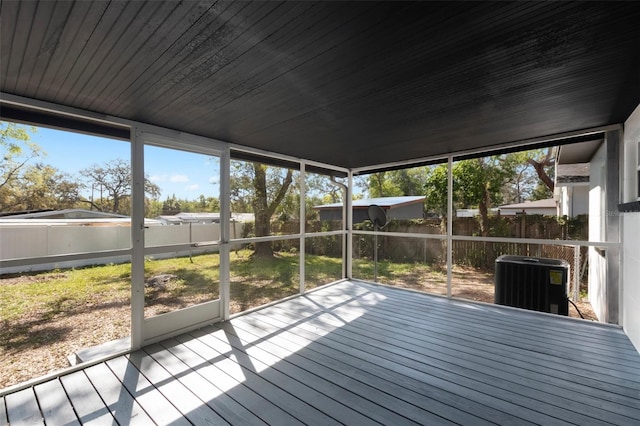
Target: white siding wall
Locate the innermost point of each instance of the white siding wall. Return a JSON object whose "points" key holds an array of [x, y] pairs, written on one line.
{"points": [[631, 233], [563, 205], [630, 274], [580, 200], [574, 200], [597, 261], [631, 156]]}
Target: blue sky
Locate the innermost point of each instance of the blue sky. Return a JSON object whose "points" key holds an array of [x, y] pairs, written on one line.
{"points": [[184, 174]]}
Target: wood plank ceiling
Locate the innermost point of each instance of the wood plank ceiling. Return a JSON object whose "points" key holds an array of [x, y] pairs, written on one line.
{"points": [[344, 83]]}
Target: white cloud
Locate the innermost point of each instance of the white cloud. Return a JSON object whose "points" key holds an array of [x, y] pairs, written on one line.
{"points": [[179, 178], [192, 187], [158, 178]]}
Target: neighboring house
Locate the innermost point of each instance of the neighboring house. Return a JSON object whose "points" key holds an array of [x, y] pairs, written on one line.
{"points": [[408, 207], [572, 189], [202, 218], [544, 207], [474, 212], [467, 212]]}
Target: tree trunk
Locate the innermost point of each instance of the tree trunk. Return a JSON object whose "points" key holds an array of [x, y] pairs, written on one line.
{"points": [[116, 204], [262, 209], [483, 207]]}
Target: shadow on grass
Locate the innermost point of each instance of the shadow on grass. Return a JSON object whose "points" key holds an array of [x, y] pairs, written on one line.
{"points": [[246, 295], [50, 326], [26, 337], [256, 281]]}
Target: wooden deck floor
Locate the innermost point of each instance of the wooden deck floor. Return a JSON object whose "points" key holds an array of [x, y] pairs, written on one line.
{"points": [[356, 353]]}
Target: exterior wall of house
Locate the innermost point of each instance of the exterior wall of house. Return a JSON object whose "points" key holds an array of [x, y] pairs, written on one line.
{"points": [[631, 232], [597, 259], [563, 200], [631, 160], [574, 200], [630, 274], [410, 211], [359, 215]]}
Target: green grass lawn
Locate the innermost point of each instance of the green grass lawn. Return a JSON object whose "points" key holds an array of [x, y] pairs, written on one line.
{"points": [[48, 294], [43, 296]]}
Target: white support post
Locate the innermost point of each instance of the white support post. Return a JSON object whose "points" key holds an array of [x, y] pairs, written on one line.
{"points": [[137, 239], [449, 224], [348, 222], [225, 223], [303, 215], [612, 224]]}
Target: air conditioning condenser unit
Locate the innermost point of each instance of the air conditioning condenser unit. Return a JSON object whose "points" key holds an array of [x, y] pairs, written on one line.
{"points": [[537, 284]]}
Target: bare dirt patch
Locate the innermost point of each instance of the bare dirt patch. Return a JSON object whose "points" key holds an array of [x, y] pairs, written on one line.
{"points": [[472, 284]]}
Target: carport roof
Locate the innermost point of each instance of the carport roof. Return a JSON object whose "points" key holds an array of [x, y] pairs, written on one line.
{"points": [[351, 84]]}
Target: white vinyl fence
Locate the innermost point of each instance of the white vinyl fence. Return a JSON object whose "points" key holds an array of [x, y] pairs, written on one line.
{"points": [[26, 245]]}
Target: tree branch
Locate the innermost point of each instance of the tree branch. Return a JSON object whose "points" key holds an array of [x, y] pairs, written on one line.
{"points": [[542, 174]]}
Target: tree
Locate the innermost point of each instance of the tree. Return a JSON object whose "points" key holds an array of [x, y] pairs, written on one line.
{"points": [[113, 184], [16, 150], [542, 162], [208, 204], [27, 186], [241, 187], [319, 190], [380, 185], [490, 181], [478, 182], [395, 183], [436, 191], [533, 176], [171, 206], [322, 189], [519, 186], [262, 189], [45, 187], [265, 201]]}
